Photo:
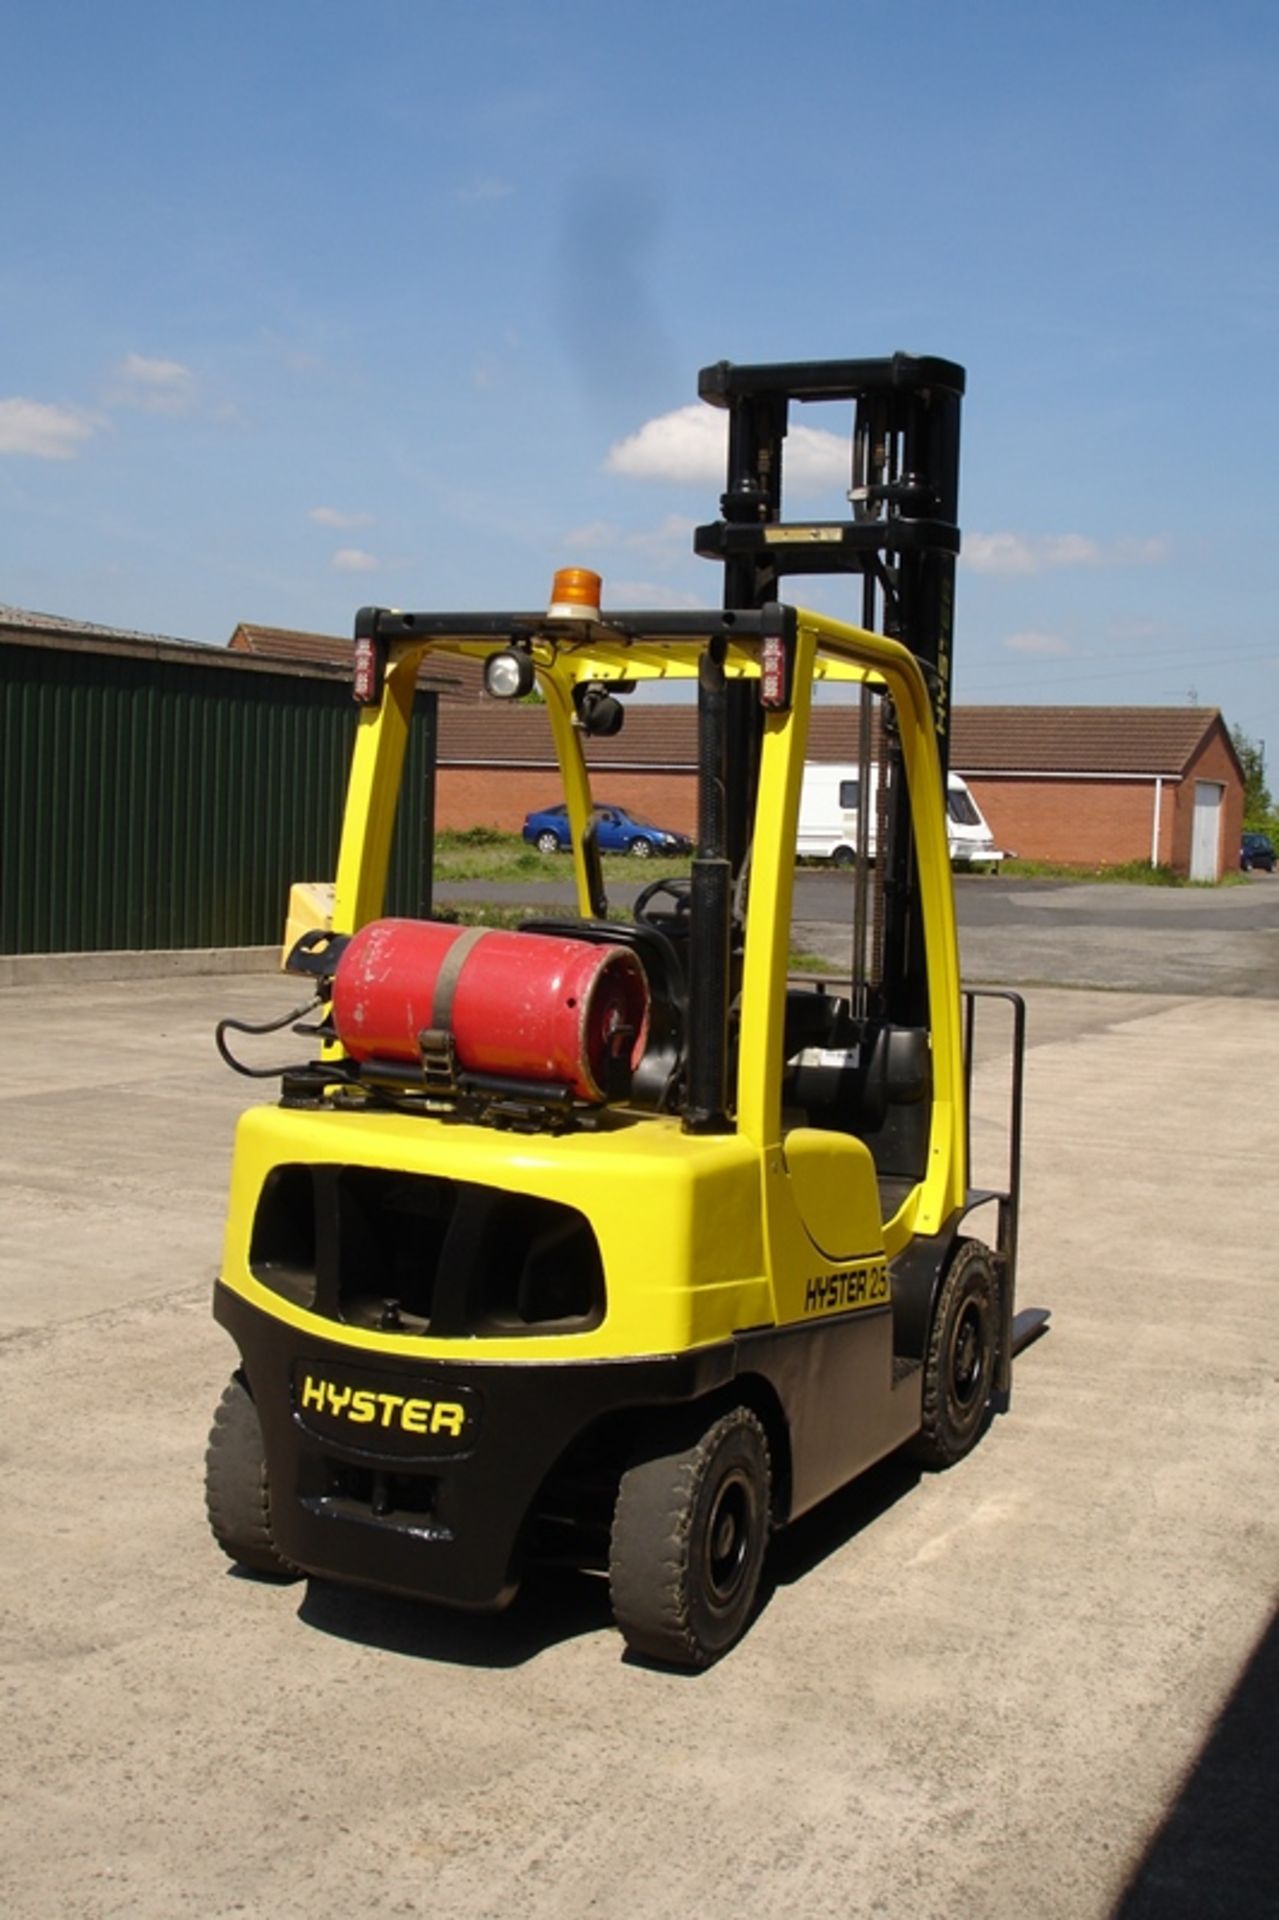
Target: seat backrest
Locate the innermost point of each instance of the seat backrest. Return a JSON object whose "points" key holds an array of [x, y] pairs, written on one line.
{"points": [[880, 1091]]}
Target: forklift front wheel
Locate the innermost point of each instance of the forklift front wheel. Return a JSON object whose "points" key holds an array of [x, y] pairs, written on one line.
{"points": [[959, 1366], [689, 1532], [236, 1490]]}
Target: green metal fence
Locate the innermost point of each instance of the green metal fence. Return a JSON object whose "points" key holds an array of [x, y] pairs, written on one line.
{"points": [[157, 802]]}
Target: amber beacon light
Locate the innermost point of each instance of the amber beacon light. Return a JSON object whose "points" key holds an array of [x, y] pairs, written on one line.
{"points": [[575, 595]]}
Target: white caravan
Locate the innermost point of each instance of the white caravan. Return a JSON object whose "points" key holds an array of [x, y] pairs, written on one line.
{"points": [[828, 817]]}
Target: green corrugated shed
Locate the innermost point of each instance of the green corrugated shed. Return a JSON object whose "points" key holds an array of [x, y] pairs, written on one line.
{"points": [[158, 794]]}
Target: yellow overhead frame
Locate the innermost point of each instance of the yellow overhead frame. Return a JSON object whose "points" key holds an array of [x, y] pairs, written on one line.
{"points": [[561, 663], [828, 650]]}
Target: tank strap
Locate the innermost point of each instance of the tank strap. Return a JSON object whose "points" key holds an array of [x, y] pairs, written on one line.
{"points": [[447, 978]]}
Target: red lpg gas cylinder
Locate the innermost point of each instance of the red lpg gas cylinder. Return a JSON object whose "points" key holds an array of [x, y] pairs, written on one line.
{"points": [[524, 1005]]}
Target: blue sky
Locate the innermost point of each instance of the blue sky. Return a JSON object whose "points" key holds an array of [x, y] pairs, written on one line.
{"points": [[304, 306]]}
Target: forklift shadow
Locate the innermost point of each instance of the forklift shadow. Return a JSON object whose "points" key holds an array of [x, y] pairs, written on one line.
{"points": [[818, 1534], [554, 1604], [842, 1515]]}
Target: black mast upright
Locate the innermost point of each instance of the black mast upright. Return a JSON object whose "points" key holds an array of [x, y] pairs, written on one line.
{"points": [[902, 537]]}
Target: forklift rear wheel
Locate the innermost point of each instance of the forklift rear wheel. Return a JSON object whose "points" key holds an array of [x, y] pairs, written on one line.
{"points": [[689, 1532], [237, 1493], [959, 1366]]}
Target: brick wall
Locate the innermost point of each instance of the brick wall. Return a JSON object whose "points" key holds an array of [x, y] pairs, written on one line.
{"points": [[1214, 761], [501, 796], [1100, 822], [1086, 822], [1083, 822], [1078, 822]]}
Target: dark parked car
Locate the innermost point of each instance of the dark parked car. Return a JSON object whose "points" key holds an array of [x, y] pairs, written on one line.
{"points": [[618, 832], [1257, 851]]}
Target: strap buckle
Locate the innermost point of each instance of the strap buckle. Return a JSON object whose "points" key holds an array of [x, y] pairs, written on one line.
{"points": [[437, 1051]]}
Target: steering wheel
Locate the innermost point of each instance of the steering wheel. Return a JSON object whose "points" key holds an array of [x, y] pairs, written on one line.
{"points": [[678, 890]]}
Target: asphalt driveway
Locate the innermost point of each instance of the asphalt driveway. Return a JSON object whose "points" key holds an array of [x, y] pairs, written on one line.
{"points": [[1016, 932]]}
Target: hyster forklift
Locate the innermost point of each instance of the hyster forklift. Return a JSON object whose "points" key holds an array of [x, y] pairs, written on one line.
{"points": [[613, 1240]]}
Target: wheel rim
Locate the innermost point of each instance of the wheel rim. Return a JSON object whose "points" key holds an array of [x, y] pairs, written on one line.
{"points": [[641, 850], [968, 1358], [727, 1542], [548, 843]]}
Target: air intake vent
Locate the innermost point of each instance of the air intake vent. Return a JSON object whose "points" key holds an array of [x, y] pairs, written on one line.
{"points": [[405, 1253]]}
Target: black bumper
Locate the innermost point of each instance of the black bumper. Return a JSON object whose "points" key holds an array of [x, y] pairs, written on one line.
{"points": [[419, 1477]]}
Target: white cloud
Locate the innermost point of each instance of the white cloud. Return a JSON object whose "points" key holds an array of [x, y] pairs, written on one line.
{"points": [[1027, 553], [814, 460], [645, 593], [667, 545], [153, 386], [1140, 553], [1044, 645], [43, 431], [484, 187], [688, 448], [1133, 632], [596, 533], [354, 560], [335, 517]]}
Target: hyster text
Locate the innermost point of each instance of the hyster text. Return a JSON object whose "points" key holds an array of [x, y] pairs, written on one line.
{"points": [[852, 1287], [365, 1409]]}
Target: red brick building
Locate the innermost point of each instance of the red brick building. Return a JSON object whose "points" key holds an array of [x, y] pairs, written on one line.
{"points": [[1097, 786], [1086, 786]]}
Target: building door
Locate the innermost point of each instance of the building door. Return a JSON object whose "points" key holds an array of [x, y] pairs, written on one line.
{"points": [[1205, 842]]}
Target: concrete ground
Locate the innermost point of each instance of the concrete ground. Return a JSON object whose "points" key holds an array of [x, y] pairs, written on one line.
{"points": [[1045, 1683]]}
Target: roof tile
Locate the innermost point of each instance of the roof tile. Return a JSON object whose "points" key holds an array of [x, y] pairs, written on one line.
{"points": [[1150, 740], [1043, 740], [455, 679]]}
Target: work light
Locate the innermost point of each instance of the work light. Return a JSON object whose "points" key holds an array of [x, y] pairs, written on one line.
{"points": [[508, 675]]}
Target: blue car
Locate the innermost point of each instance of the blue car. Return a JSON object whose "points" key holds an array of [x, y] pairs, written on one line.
{"points": [[617, 832], [1257, 850]]}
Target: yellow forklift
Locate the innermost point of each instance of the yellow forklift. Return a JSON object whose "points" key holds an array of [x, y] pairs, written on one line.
{"points": [[608, 1239]]}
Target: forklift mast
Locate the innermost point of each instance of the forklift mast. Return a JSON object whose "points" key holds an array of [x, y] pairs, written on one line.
{"points": [[902, 537]]}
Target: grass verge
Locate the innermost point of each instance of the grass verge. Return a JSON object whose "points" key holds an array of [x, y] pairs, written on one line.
{"points": [[482, 853], [1128, 873]]}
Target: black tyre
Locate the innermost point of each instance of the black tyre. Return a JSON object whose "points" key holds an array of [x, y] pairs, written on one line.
{"points": [[689, 1533], [843, 857], [959, 1366], [236, 1490], [548, 842], [641, 849]]}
